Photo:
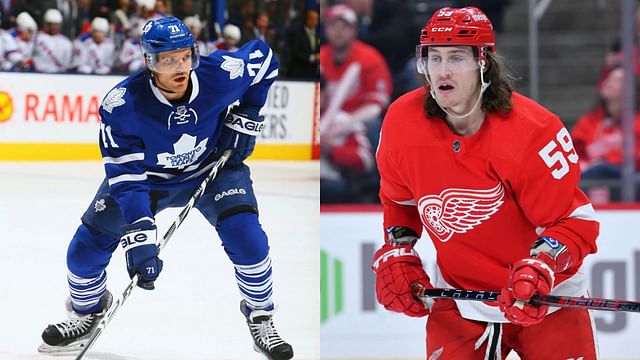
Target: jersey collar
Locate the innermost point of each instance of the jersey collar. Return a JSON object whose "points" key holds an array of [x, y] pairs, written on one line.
{"points": [[195, 90]]}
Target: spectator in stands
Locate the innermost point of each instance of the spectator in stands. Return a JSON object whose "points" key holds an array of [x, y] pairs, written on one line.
{"points": [[597, 136], [195, 26], [24, 34], [130, 58], [183, 8], [615, 56], [53, 50], [82, 21], [94, 52], [231, 36], [7, 14], [146, 10], [304, 48], [259, 30], [122, 23], [357, 89]]}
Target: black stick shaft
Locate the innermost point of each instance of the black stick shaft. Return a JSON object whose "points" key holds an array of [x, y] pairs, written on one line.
{"points": [[551, 300]]}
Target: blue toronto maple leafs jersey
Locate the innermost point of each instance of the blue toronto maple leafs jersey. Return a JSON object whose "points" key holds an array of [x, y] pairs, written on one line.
{"points": [[148, 143]]}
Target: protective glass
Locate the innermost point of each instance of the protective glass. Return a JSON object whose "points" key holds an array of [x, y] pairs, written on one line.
{"points": [[171, 63], [450, 60]]}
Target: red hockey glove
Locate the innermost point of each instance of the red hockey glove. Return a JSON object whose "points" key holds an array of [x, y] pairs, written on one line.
{"points": [[531, 276], [397, 268]]}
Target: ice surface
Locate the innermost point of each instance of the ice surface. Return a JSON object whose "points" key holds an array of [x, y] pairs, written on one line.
{"points": [[194, 311]]}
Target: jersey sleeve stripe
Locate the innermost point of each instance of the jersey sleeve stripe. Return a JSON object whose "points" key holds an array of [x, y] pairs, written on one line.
{"points": [[144, 218], [410, 202], [127, 177], [160, 175], [584, 212], [263, 69], [272, 74], [123, 159]]}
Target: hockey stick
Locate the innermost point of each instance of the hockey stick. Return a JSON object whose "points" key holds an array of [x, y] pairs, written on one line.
{"points": [[165, 239], [552, 300]]}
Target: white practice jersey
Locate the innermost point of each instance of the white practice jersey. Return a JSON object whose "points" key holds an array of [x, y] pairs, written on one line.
{"points": [[9, 52], [130, 57], [206, 47], [90, 57], [52, 53], [24, 47]]}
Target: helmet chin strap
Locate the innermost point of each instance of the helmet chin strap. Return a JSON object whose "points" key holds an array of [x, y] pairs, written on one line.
{"points": [[484, 85]]}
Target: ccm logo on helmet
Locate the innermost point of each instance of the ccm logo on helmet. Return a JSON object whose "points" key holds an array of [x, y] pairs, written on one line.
{"points": [[441, 29]]}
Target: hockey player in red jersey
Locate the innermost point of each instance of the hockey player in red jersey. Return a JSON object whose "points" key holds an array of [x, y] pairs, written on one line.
{"points": [[493, 178]]}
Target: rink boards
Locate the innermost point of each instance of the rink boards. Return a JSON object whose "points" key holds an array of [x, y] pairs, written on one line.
{"points": [[55, 117], [354, 326]]}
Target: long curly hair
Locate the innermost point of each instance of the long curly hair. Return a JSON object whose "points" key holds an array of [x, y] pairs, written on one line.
{"points": [[497, 97]]}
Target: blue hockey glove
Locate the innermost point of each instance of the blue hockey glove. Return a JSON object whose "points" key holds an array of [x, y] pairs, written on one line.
{"points": [[242, 125], [139, 243]]}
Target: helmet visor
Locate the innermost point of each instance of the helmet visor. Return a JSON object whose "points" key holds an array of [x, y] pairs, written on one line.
{"points": [[445, 60], [171, 62]]}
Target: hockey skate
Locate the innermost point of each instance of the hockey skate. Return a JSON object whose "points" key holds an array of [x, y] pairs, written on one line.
{"points": [[265, 337], [70, 336]]}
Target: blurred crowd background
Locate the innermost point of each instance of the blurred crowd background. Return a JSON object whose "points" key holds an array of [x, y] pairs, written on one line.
{"points": [[580, 78], [580, 73], [101, 36]]}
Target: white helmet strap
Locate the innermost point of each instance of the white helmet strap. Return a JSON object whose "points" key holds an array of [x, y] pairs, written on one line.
{"points": [[483, 87]]}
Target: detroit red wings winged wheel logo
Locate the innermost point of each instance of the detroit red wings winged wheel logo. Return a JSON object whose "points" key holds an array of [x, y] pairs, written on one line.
{"points": [[458, 210]]}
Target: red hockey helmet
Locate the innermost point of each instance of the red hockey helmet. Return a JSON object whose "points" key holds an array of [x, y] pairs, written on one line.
{"points": [[467, 26]]}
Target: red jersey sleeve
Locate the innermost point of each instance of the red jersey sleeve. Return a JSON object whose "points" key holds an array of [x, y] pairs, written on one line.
{"points": [[546, 188], [399, 206]]}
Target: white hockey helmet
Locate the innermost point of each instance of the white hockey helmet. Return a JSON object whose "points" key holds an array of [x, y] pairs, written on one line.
{"points": [[100, 24], [25, 22], [193, 22], [147, 4], [231, 31], [53, 16]]}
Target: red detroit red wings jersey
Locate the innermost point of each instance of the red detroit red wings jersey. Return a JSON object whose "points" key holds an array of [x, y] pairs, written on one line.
{"points": [[374, 81], [485, 198]]}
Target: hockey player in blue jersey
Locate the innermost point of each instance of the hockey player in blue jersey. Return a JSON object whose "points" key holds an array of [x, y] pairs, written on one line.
{"points": [[162, 130]]}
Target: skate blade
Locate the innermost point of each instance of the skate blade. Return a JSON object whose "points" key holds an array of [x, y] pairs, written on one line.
{"points": [[71, 349], [260, 351]]}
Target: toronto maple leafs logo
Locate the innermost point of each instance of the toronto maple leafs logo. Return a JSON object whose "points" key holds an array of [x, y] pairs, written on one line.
{"points": [[234, 66], [147, 27], [113, 99], [99, 205], [458, 210], [186, 152]]}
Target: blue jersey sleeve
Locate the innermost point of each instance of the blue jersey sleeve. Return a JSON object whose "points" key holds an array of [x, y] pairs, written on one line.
{"points": [[252, 69], [123, 156]]}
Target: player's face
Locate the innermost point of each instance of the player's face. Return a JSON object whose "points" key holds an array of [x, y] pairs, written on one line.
{"points": [[52, 28], [98, 36], [339, 33], [453, 71], [172, 69], [612, 86]]}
